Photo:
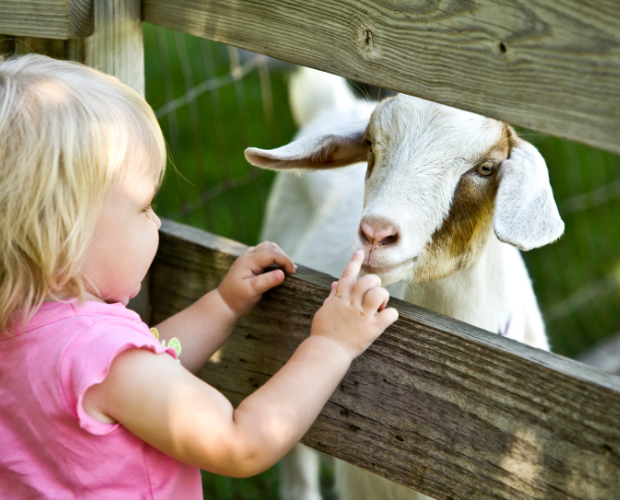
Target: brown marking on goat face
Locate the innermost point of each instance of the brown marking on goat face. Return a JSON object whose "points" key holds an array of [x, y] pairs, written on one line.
{"points": [[502, 148], [466, 230]]}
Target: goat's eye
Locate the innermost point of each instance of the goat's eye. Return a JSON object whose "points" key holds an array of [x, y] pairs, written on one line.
{"points": [[369, 143], [486, 168]]}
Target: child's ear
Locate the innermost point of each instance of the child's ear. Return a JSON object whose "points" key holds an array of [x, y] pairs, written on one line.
{"points": [[332, 148]]}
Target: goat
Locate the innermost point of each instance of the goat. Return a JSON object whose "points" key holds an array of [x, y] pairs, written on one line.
{"points": [[448, 198]]}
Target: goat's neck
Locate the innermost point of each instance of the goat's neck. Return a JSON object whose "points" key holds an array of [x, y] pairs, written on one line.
{"points": [[479, 294]]}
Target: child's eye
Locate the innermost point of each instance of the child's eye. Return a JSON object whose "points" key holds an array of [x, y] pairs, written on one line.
{"points": [[150, 207]]}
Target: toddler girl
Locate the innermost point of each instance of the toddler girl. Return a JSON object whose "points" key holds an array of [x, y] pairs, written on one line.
{"points": [[91, 404]]}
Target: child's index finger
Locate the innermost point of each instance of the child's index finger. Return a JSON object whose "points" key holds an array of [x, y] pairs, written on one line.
{"points": [[349, 275]]}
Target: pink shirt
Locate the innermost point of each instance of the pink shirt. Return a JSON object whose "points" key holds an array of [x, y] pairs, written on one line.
{"points": [[49, 447]]}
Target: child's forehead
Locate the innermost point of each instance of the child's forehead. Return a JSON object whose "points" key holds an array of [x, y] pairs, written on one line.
{"points": [[137, 186], [142, 174], [143, 160]]}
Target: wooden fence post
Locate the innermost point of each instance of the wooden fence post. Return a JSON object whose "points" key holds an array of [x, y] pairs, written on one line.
{"points": [[117, 46]]}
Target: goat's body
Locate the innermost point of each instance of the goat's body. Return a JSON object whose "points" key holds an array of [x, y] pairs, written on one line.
{"points": [[494, 293], [315, 217]]}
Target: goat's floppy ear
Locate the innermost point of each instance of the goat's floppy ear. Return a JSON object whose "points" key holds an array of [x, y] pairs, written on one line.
{"points": [[526, 215], [331, 148]]}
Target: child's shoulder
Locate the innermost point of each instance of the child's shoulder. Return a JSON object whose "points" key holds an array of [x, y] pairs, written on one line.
{"points": [[87, 314], [75, 340], [68, 327], [91, 323]]}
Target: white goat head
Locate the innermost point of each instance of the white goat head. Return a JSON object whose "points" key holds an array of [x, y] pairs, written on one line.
{"points": [[439, 182]]}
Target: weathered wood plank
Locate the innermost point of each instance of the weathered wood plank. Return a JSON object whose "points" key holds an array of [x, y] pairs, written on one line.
{"points": [[58, 19], [445, 408], [541, 64], [117, 46]]}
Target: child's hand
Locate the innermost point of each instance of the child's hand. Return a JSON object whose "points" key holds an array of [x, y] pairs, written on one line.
{"points": [[244, 284], [354, 313]]}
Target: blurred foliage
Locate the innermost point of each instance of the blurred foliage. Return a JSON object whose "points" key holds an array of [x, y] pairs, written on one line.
{"points": [[263, 487], [210, 185]]}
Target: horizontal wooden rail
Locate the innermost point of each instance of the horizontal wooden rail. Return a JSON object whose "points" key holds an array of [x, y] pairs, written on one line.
{"points": [[546, 65], [57, 19], [436, 404]]}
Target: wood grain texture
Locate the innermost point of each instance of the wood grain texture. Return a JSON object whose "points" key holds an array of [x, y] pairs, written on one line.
{"points": [[552, 66], [443, 407], [57, 19], [117, 46]]}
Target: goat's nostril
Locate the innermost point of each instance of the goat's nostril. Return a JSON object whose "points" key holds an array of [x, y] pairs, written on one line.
{"points": [[392, 239], [380, 236]]}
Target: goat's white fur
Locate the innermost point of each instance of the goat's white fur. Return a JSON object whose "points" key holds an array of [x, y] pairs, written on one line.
{"points": [[421, 150]]}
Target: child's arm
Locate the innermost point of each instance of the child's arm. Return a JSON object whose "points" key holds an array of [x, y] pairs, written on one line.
{"points": [[204, 326], [166, 406]]}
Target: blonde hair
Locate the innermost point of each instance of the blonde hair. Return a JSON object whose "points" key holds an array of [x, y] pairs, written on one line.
{"points": [[67, 132]]}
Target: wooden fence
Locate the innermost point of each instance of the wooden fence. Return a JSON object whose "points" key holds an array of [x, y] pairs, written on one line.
{"points": [[549, 65], [450, 410], [438, 405]]}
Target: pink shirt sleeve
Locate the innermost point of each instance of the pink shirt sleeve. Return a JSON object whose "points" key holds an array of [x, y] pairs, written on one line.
{"points": [[87, 359]]}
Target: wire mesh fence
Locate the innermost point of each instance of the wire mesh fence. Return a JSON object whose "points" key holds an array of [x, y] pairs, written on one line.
{"points": [[213, 101]]}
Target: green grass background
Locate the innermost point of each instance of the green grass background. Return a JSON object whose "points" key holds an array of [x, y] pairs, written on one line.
{"points": [[207, 137]]}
